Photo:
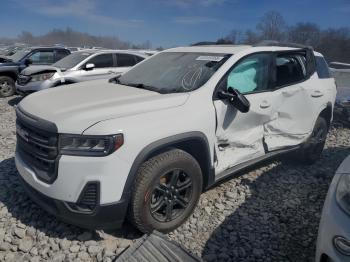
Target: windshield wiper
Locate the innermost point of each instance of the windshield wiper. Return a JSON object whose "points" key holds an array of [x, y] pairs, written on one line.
{"points": [[116, 80]]}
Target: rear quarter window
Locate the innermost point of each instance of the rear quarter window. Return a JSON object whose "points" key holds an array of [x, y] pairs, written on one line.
{"points": [[322, 68]]}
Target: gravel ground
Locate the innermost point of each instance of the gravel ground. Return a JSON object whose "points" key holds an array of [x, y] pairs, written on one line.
{"points": [[268, 214]]}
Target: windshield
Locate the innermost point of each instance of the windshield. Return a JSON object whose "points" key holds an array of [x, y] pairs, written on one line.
{"points": [[170, 72], [16, 57], [72, 60]]}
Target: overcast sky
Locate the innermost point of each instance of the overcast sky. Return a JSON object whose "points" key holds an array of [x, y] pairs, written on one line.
{"points": [[163, 22]]}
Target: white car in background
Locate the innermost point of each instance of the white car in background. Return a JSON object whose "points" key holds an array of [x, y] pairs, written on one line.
{"points": [[77, 67], [333, 243]]}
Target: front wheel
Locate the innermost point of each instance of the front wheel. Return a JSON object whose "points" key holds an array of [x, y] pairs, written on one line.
{"points": [[7, 86], [166, 191], [311, 151]]}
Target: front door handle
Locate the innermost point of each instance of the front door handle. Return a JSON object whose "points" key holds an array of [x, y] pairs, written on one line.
{"points": [[316, 93], [110, 72], [264, 104]]}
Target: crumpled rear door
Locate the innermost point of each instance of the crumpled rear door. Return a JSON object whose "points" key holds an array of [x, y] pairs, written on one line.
{"points": [[297, 104]]}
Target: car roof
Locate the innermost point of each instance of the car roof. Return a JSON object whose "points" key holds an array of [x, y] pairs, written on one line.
{"points": [[229, 49], [46, 47], [99, 51]]}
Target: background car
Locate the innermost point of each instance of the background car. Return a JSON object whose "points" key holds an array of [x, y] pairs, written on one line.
{"points": [[333, 243], [11, 66], [77, 67], [341, 73]]}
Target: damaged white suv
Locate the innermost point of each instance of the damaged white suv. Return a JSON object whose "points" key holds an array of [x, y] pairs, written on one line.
{"points": [[146, 144]]}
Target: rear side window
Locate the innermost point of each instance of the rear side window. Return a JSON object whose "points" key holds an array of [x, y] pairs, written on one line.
{"points": [[42, 57], [60, 54], [290, 69], [101, 61], [322, 68], [125, 60], [139, 59]]}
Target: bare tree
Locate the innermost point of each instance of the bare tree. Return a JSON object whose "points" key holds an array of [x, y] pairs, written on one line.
{"points": [[234, 37], [26, 37], [305, 33], [251, 37], [272, 26], [335, 44], [69, 37]]}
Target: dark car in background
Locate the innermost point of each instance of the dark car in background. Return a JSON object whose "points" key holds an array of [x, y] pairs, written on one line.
{"points": [[11, 66], [341, 73]]}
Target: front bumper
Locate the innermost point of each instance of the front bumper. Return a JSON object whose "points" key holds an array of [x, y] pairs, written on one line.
{"points": [[109, 216], [334, 223], [56, 199], [31, 87]]}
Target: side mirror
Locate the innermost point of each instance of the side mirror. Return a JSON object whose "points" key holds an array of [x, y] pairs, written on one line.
{"points": [[28, 61], [89, 66], [237, 99]]}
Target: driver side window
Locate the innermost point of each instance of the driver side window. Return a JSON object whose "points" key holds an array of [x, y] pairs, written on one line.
{"points": [[250, 75]]}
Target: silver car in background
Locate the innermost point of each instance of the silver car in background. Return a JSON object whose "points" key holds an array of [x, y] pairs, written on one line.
{"points": [[333, 243], [79, 66]]}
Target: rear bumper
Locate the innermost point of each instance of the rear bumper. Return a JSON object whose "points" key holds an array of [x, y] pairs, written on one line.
{"points": [[109, 216]]}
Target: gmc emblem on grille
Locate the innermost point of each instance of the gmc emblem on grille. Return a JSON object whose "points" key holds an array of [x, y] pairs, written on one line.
{"points": [[22, 133]]}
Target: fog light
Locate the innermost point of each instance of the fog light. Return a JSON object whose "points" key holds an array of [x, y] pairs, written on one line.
{"points": [[342, 245]]}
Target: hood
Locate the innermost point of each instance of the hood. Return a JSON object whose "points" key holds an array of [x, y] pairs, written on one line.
{"points": [[74, 108], [343, 94], [34, 69], [5, 59]]}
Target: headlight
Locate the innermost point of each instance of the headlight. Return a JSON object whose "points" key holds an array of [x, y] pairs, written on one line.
{"points": [[343, 193], [89, 145], [41, 77]]}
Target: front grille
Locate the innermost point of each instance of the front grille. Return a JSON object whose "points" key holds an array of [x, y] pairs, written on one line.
{"points": [[23, 79], [39, 149]]}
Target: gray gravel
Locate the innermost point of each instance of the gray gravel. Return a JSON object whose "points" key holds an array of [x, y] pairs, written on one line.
{"points": [[268, 214]]}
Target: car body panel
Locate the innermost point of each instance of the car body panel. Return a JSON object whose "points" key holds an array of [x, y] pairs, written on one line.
{"points": [[334, 221], [95, 101]]}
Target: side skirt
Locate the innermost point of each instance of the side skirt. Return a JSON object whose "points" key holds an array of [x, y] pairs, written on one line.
{"points": [[251, 163]]}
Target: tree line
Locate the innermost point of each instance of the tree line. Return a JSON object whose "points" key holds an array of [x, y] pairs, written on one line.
{"points": [[333, 43], [70, 37]]}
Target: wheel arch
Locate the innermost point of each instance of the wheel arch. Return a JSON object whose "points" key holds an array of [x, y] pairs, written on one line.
{"points": [[327, 113], [194, 143], [10, 74]]}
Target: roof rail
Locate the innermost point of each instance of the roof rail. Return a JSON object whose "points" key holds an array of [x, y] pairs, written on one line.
{"points": [[204, 43], [283, 44]]}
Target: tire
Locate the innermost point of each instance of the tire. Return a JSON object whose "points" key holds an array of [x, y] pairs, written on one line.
{"points": [[153, 195], [7, 86], [312, 149]]}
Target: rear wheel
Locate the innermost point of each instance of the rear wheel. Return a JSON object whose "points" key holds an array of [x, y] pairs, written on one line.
{"points": [[313, 147], [166, 191], [7, 86]]}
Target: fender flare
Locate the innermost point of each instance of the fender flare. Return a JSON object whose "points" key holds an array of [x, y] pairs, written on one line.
{"points": [[163, 145]]}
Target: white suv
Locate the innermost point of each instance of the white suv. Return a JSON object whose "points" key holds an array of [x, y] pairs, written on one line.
{"points": [[146, 144]]}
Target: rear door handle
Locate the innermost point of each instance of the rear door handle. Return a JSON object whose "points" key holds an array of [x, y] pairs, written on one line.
{"points": [[264, 104], [316, 93]]}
